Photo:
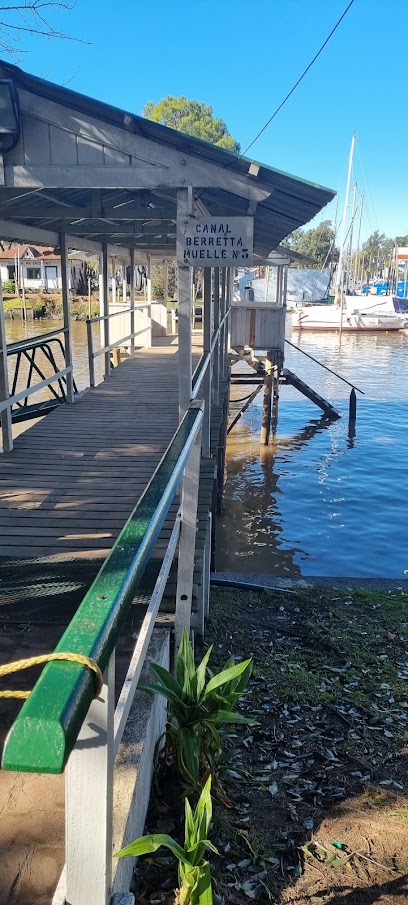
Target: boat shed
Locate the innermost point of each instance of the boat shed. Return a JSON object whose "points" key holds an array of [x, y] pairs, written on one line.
{"points": [[78, 174]]}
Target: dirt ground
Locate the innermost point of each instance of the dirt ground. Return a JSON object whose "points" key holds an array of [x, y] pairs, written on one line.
{"points": [[318, 788]]}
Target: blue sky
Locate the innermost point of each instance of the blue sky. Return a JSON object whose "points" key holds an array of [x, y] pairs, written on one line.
{"points": [[243, 57]]}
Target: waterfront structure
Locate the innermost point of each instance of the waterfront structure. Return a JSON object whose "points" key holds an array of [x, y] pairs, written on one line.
{"points": [[95, 485], [38, 269]]}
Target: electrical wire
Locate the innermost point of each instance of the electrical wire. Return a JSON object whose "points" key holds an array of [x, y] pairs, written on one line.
{"points": [[300, 79]]}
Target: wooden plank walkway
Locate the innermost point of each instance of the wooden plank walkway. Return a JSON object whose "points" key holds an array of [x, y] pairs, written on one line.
{"points": [[72, 479]]}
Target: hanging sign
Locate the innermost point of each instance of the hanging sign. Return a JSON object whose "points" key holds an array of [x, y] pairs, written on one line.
{"points": [[215, 241]]}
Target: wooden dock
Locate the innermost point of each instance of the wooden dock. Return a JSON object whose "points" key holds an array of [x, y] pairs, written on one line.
{"points": [[71, 481], [67, 489]]}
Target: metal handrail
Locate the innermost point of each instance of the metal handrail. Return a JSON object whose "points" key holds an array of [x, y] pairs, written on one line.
{"points": [[104, 317], [201, 368], [45, 732], [34, 340], [22, 347], [354, 387], [92, 355]]}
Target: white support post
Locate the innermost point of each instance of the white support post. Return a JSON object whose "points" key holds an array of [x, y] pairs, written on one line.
{"points": [[216, 372], [184, 318], [186, 553], [149, 310], [207, 300], [166, 282], [223, 308], [105, 301], [132, 302], [88, 802], [113, 283], [124, 287], [6, 423], [67, 316]]}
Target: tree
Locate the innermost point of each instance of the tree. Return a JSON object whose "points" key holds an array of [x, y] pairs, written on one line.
{"points": [[158, 280], [316, 243], [192, 117], [18, 19], [375, 252]]}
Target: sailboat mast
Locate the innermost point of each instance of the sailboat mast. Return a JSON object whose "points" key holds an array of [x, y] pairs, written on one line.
{"points": [[350, 251], [355, 276], [338, 295]]}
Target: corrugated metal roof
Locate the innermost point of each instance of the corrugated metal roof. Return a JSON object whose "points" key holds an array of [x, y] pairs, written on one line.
{"points": [[292, 203]]}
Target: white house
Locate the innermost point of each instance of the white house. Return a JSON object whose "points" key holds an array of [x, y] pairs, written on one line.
{"points": [[39, 269]]}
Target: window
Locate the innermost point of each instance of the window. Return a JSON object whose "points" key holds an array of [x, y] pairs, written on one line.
{"points": [[33, 273]]}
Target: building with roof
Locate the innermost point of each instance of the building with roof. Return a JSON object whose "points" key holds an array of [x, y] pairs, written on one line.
{"points": [[39, 268]]}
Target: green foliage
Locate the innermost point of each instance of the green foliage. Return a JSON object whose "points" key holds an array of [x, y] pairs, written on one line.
{"points": [[375, 252], [192, 117], [198, 708], [9, 287], [193, 869], [317, 243], [158, 280]]}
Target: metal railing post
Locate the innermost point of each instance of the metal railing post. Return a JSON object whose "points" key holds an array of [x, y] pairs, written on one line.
{"points": [[208, 376], [132, 302], [91, 362], [186, 553], [67, 317], [105, 303], [223, 308], [148, 314], [216, 359], [6, 423], [88, 802]]}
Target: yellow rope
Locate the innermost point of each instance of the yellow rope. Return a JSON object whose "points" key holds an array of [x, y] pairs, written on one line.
{"points": [[7, 668]]}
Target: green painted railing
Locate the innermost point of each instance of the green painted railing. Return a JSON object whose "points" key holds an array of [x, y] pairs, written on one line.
{"points": [[48, 725]]}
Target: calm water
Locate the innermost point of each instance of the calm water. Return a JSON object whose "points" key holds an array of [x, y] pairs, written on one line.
{"points": [[17, 329], [315, 502]]}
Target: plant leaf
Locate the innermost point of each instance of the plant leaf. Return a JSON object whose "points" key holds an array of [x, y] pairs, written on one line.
{"points": [[185, 668], [146, 844], [160, 689], [166, 678], [226, 676], [228, 716], [204, 887], [201, 671]]}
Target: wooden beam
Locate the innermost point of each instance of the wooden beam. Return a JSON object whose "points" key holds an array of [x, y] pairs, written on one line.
{"points": [[39, 236], [192, 172], [121, 212]]}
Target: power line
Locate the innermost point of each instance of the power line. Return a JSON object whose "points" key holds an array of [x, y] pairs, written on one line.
{"points": [[298, 81]]}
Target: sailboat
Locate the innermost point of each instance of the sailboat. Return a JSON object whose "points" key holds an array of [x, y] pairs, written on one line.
{"points": [[348, 312]]}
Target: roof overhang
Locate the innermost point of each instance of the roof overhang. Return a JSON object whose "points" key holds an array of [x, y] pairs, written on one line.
{"points": [[104, 176]]}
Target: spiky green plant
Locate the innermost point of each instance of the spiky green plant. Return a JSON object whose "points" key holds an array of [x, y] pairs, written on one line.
{"points": [[198, 708], [193, 869]]}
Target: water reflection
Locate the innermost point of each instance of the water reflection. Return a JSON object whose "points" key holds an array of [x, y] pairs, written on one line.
{"points": [[324, 498], [256, 531]]}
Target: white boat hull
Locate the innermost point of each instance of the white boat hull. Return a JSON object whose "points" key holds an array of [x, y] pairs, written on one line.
{"points": [[354, 319]]}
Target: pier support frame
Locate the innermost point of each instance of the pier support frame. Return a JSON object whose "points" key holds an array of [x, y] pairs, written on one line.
{"points": [[273, 366]]}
